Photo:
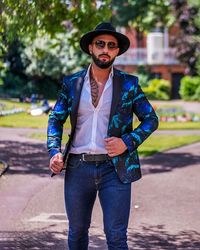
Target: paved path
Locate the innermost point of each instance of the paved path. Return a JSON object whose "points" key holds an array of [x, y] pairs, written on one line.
{"points": [[165, 203]]}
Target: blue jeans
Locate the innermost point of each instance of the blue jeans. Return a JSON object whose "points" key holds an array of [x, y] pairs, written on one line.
{"points": [[82, 182]]}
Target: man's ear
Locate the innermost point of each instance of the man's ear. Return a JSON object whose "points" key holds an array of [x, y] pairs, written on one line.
{"points": [[90, 48]]}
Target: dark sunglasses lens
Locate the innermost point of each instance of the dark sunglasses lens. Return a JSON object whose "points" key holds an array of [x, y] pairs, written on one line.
{"points": [[100, 44], [112, 45]]}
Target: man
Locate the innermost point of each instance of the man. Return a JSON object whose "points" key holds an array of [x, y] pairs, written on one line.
{"points": [[101, 154]]}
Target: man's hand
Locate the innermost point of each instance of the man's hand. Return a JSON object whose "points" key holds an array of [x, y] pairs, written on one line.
{"points": [[56, 163], [115, 146]]}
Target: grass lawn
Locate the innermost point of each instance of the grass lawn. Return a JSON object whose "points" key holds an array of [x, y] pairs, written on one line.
{"points": [[21, 120], [159, 143], [13, 104], [25, 120], [178, 125]]}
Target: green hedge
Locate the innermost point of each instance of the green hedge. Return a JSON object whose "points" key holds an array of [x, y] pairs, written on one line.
{"points": [[190, 88], [158, 89]]}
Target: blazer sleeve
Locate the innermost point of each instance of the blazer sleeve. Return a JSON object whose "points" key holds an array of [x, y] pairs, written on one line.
{"points": [[56, 120], [147, 117]]}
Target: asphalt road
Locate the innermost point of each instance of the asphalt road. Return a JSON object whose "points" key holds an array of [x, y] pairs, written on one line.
{"points": [[165, 203]]}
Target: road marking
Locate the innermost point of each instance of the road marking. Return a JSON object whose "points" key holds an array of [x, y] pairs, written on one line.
{"points": [[49, 218]]}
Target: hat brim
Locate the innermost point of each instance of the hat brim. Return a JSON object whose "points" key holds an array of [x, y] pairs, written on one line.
{"points": [[86, 39]]}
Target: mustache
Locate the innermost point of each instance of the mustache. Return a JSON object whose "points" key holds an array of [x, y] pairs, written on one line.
{"points": [[104, 54]]}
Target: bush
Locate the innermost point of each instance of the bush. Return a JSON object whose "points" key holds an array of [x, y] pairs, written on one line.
{"points": [[13, 84], [196, 96], [190, 88], [143, 80], [158, 89], [143, 74]]}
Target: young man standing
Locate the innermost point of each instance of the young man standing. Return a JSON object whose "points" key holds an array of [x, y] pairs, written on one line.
{"points": [[101, 154]]}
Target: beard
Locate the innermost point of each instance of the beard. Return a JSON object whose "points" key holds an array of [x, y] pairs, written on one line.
{"points": [[102, 64]]}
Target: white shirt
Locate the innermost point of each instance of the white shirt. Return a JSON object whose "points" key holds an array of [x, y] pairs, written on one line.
{"points": [[92, 123]]}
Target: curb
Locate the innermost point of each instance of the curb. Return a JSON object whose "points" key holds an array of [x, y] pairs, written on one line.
{"points": [[5, 167]]}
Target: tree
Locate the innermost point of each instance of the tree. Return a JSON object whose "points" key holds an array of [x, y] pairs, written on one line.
{"points": [[143, 15], [187, 41], [32, 19], [63, 22], [13, 70], [50, 60], [51, 16]]}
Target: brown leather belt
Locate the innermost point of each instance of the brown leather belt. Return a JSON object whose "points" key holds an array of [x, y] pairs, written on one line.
{"points": [[92, 157]]}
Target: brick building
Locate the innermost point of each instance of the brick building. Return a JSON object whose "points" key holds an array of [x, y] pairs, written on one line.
{"points": [[153, 51]]}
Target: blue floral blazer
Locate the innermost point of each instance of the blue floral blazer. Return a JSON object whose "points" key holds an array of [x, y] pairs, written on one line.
{"points": [[127, 99]]}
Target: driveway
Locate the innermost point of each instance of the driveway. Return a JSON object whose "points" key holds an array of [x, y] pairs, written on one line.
{"points": [[165, 202]]}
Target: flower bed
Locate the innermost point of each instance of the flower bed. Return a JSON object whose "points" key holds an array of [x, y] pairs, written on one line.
{"points": [[11, 112], [176, 115]]}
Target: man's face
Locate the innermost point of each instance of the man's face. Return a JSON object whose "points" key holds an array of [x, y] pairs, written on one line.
{"points": [[104, 49]]}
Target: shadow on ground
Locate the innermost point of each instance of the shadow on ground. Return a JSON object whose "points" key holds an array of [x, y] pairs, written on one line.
{"points": [[32, 158], [166, 162], [149, 238], [157, 238], [25, 158]]}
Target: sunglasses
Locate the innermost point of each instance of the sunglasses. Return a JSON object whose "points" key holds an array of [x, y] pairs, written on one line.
{"points": [[99, 44]]}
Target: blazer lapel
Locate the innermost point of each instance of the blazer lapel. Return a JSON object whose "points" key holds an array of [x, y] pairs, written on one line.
{"points": [[117, 87], [78, 84]]}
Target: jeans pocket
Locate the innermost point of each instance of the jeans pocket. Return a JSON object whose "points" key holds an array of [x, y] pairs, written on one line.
{"points": [[73, 162]]}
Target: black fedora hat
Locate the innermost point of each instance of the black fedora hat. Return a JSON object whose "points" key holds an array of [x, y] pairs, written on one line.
{"points": [[105, 28]]}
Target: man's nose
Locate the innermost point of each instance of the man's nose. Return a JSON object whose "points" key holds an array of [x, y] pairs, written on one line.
{"points": [[105, 49]]}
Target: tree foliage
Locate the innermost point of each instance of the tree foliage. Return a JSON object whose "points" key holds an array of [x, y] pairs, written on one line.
{"points": [[39, 40], [187, 41], [144, 15], [13, 72], [48, 34], [20, 17], [50, 59]]}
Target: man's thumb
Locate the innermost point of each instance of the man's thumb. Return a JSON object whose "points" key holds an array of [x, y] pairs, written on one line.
{"points": [[60, 156]]}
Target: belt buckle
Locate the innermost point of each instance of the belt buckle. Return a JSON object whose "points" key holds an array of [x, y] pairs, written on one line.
{"points": [[83, 157]]}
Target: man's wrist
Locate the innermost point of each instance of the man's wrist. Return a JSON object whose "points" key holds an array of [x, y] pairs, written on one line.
{"points": [[53, 152]]}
